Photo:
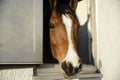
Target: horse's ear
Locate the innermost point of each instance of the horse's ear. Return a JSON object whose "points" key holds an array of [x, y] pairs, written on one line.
{"points": [[53, 4], [73, 4]]}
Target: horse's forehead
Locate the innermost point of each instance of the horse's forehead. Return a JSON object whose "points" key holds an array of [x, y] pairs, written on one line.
{"points": [[54, 15]]}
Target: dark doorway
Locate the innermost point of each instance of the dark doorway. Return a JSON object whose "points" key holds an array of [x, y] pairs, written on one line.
{"points": [[47, 55]]}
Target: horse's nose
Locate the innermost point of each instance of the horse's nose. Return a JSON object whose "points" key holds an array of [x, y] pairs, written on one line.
{"points": [[69, 69]]}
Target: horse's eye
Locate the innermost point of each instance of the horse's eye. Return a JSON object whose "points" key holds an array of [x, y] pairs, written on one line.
{"points": [[51, 26]]}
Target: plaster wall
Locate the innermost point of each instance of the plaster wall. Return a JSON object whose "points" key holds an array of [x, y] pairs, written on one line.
{"points": [[108, 27]]}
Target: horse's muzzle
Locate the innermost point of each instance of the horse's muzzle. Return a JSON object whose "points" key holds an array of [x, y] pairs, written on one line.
{"points": [[69, 69]]}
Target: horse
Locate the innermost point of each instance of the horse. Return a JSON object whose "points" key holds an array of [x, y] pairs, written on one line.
{"points": [[64, 26]]}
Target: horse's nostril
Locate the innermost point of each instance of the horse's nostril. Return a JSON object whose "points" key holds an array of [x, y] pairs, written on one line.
{"points": [[64, 66], [67, 67], [70, 67], [76, 70]]}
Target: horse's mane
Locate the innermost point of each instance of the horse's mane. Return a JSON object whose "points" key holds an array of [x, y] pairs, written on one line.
{"points": [[62, 8]]}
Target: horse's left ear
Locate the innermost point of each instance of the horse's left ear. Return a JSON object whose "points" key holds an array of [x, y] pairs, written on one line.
{"points": [[73, 4], [52, 4]]}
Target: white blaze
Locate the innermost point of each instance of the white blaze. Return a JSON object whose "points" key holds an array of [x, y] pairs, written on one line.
{"points": [[71, 53]]}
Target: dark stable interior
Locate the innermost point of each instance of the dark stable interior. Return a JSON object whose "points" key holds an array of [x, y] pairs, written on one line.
{"points": [[84, 47]]}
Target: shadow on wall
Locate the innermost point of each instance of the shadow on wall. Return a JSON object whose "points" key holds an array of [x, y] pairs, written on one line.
{"points": [[85, 43]]}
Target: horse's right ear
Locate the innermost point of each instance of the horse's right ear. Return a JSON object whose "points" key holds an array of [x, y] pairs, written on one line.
{"points": [[53, 4], [73, 4]]}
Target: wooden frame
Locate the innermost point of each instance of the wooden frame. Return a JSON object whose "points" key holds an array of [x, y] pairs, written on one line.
{"points": [[94, 32]]}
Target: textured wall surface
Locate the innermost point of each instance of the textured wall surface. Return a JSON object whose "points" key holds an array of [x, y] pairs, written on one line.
{"points": [[16, 74], [108, 24]]}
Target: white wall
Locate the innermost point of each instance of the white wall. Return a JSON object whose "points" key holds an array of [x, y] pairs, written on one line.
{"points": [[81, 11], [108, 25]]}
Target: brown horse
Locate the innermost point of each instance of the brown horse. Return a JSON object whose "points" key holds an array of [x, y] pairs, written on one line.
{"points": [[64, 35]]}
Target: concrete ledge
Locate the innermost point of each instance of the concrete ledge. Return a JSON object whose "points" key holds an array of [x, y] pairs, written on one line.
{"points": [[52, 72]]}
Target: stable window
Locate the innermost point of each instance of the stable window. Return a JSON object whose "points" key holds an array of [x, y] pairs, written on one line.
{"points": [[87, 44]]}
